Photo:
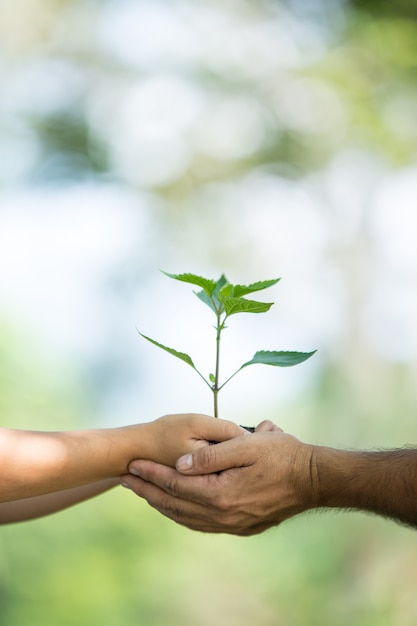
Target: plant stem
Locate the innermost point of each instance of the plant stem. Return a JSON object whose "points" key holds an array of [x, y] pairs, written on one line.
{"points": [[230, 378], [216, 389]]}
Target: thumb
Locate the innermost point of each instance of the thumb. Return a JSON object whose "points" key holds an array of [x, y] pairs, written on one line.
{"points": [[219, 430], [215, 458]]}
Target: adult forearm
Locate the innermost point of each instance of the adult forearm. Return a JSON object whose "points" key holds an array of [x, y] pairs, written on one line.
{"points": [[380, 482]]}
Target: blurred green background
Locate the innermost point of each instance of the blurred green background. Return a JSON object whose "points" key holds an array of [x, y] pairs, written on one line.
{"points": [[260, 139]]}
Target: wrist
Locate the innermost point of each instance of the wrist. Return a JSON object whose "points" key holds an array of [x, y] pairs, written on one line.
{"points": [[334, 472], [306, 480], [105, 453], [128, 443], [299, 475]]}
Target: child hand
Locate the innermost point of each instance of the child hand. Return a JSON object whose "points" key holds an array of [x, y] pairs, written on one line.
{"points": [[172, 436]]}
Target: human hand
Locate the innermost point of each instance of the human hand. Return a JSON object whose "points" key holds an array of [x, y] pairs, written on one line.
{"points": [[241, 487], [171, 436]]}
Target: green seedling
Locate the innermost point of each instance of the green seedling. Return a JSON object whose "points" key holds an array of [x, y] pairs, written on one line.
{"points": [[225, 300]]}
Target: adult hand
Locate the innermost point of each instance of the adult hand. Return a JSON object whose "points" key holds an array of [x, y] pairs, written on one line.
{"points": [[242, 486]]}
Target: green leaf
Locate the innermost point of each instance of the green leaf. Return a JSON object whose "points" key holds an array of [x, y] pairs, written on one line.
{"points": [[280, 359], [220, 285], [179, 355], [207, 284], [212, 378], [226, 292], [240, 305], [243, 290], [206, 299], [213, 300]]}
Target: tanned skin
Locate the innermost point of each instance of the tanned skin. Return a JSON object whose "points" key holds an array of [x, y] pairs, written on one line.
{"points": [[248, 484]]}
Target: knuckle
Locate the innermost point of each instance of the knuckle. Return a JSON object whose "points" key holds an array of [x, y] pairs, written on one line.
{"points": [[175, 512], [171, 511], [235, 523], [206, 457], [222, 503], [171, 487]]}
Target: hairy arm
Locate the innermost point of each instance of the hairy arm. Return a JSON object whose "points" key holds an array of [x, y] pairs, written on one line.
{"points": [[381, 482]]}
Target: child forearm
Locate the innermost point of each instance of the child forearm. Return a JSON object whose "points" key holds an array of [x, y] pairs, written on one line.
{"points": [[38, 506], [36, 463]]}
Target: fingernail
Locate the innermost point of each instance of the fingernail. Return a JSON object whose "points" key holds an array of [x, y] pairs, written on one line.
{"points": [[125, 485], [134, 471], [185, 462]]}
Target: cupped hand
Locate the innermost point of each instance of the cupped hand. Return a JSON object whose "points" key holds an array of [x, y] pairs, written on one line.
{"points": [[241, 486]]}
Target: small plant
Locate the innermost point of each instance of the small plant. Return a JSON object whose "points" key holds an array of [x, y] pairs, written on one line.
{"points": [[225, 300]]}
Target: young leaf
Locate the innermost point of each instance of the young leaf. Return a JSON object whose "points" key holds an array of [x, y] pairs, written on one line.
{"points": [[280, 359], [206, 299], [243, 290], [226, 292], [220, 285], [240, 305], [179, 355], [207, 284], [213, 300]]}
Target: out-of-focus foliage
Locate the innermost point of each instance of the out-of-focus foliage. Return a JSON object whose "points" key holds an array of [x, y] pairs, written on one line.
{"points": [[173, 95], [386, 9], [34, 392]]}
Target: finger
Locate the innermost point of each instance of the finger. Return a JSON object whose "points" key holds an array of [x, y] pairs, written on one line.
{"points": [[168, 505], [195, 489], [189, 514], [143, 489], [268, 426], [213, 459], [219, 430]]}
